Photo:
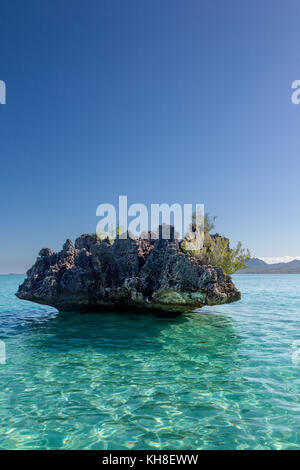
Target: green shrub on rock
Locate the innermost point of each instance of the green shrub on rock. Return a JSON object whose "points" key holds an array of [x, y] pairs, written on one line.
{"points": [[216, 249]]}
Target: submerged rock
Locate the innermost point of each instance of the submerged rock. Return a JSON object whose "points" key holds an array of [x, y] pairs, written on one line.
{"points": [[97, 275]]}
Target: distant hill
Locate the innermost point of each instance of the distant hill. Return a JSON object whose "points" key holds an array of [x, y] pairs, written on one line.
{"points": [[258, 266]]}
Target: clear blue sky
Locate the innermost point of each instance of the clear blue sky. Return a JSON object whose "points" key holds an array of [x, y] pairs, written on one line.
{"points": [[164, 101]]}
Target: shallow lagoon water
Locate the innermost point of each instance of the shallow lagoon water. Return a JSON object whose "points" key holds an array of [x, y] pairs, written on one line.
{"points": [[225, 377]]}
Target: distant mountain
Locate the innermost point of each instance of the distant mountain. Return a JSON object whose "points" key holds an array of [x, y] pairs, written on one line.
{"points": [[258, 266]]}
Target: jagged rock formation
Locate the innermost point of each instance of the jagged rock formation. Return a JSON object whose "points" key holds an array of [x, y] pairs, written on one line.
{"points": [[97, 275]]}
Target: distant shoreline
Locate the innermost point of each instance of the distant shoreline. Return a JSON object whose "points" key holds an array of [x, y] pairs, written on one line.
{"points": [[265, 272], [12, 274], [258, 266]]}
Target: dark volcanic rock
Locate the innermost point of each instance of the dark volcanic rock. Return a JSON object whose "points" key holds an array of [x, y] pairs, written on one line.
{"points": [[130, 273]]}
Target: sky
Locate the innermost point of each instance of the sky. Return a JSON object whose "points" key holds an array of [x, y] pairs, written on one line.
{"points": [[163, 101]]}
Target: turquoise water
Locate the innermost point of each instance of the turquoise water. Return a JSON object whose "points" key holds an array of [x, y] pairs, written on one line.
{"points": [[223, 378]]}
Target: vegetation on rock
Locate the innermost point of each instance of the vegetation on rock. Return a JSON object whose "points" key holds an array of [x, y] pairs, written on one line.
{"points": [[216, 249]]}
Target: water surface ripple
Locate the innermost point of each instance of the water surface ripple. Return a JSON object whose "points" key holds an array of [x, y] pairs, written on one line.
{"points": [[221, 378]]}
